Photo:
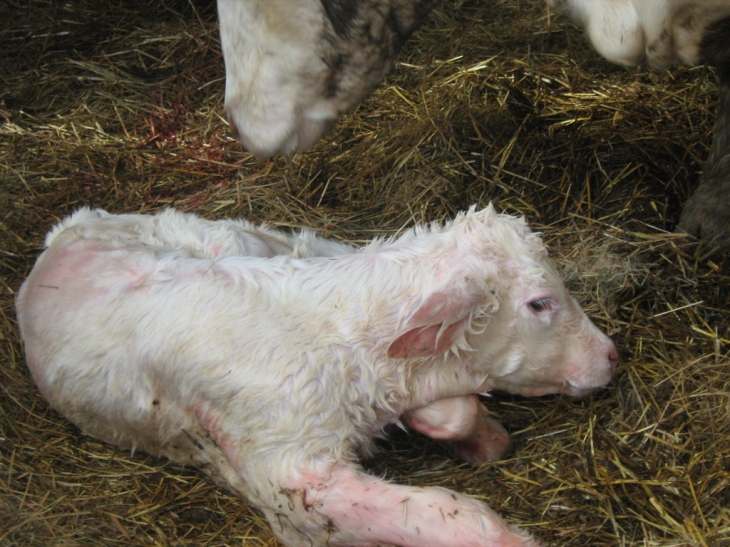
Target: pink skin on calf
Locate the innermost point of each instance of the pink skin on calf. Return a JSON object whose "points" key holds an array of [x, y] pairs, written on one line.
{"points": [[363, 510]]}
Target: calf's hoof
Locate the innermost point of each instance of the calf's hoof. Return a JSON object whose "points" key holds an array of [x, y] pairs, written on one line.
{"points": [[489, 442]]}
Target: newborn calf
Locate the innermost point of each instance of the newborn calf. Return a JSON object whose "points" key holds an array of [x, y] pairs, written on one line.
{"points": [[272, 361]]}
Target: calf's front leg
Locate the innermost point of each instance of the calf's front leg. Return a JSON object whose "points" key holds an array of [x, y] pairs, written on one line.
{"points": [[320, 502], [476, 437], [336, 504]]}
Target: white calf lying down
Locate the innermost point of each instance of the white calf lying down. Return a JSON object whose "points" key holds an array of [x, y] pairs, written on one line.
{"points": [[272, 361]]}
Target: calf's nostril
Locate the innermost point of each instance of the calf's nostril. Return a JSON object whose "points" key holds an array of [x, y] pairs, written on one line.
{"points": [[613, 360]]}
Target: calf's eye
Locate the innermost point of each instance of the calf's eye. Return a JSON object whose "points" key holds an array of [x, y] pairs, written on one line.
{"points": [[540, 304]]}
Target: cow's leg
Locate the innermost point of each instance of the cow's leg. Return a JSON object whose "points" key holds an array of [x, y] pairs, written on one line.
{"points": [[707, 212], [476, 436]]}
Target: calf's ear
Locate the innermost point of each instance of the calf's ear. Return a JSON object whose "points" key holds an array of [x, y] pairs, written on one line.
{"points": [[438, 323]]}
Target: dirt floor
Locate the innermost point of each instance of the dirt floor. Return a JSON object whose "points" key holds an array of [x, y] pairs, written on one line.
{"points": [[119, 105]]}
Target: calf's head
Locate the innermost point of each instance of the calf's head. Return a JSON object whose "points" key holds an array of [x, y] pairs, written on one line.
{"points": [[500, 311]]}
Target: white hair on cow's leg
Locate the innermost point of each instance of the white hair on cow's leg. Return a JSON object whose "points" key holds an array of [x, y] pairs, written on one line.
{"points": [[294, 66], [658, 32]]}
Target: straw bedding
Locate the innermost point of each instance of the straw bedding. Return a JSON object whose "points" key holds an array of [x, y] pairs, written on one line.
{"points": [[119, 105]]}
